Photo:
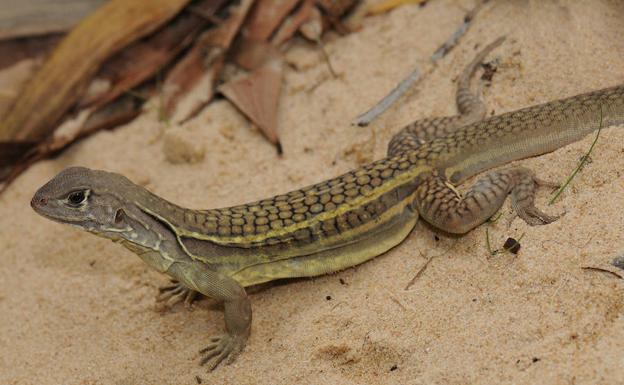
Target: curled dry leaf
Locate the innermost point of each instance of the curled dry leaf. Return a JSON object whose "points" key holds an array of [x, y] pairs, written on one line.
{"points": [[256, 95], [54, 88]]}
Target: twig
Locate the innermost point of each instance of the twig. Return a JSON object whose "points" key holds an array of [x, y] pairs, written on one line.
{"points": [[451, 42], [364, 119], [599, 269], [419, 273], [579, 166], [381, 106]]}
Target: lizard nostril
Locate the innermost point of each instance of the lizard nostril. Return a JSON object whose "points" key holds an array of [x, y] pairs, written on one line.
{"points": [[39, 202]]}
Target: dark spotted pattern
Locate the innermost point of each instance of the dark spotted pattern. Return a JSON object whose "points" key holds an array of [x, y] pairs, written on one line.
{"points": [[336, 195]]}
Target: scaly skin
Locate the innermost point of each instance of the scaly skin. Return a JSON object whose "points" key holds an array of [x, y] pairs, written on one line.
{"points": [[337, 223]]}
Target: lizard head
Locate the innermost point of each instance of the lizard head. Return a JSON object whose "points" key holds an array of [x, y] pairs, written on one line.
{"points": [[84, 198]]}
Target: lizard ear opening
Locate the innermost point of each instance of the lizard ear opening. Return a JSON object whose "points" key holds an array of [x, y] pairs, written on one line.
{"points": [[120, 215]]}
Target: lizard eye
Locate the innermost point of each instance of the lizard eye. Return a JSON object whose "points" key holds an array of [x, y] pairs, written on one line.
{"points": [[77, 197]]}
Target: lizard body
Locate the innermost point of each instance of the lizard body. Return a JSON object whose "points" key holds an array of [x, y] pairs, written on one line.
{"points": [[337, 223]]}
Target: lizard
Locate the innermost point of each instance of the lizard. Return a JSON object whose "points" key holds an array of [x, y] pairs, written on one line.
{"points": [[337, 223]]}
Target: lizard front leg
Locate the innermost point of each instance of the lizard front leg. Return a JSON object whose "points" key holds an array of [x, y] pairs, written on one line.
{"points": [[440, 204], [199, 277], [176, 292]]}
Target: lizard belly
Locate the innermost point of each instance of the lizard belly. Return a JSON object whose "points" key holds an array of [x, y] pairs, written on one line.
{"points": [[331, 260]]}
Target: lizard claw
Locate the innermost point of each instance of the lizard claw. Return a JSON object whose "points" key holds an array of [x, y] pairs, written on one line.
{"points": [[523, 197], [176, 292], [221, 347]]}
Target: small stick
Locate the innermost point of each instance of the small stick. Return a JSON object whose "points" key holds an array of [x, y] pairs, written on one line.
{"points": [[451, 42], [419, 272], [599, 269], [364, 119]]}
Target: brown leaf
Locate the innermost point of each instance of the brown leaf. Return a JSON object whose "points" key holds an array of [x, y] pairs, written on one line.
{"points": [[12, 152], [257, 96], [142, 60], [189, 85], [16, 157], [313, 28], [12, 81], [252, 54], [198, 94], [266, 16], [224, 34], [336, 8], [14, 51], [290, 26], [55, 88]]}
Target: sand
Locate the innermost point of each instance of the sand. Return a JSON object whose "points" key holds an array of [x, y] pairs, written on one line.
{"points": [[77, 309]]}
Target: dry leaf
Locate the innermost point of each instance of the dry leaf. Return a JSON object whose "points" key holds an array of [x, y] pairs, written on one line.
{"points": [[14, 51], [290, 26], [142, 60], [16, 157], [12, 80], [190, 84], [257, 96], [55, 88], [312, 29], [266, 16], [252, 54], [336, 8]]}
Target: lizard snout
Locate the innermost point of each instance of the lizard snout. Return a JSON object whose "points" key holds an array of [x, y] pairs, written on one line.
{"points": [[38, 201]]}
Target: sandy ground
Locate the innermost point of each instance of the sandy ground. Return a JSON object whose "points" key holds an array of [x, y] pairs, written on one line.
{"points": [[77, 309]]}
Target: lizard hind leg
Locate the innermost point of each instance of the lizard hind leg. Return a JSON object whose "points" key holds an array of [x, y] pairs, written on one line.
{"points": [[439, 203]]}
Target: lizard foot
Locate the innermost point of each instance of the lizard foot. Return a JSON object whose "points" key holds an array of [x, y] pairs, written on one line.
{"points": [[221, 347], [523, 196], [174, 293]]}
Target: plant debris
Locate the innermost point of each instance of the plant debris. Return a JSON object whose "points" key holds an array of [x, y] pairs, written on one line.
{"points": [[257, 96], [601, 270], [127, 51], [367, 117]]}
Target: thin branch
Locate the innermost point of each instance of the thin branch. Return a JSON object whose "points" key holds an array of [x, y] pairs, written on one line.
{"points": [[381, 106], [601, 270], [364, 119]]}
